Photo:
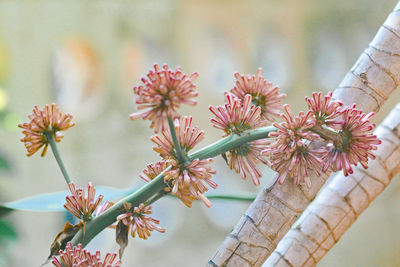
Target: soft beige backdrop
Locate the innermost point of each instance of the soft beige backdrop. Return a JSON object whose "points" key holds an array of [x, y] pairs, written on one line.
{"points": [[87, 55]]}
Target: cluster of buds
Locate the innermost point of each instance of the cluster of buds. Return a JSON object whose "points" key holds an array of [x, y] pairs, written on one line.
{"points": [[292, 154], [264, 94], [188, 179], [136, 221], [162, 93], [44, 123], [83, 207], [78, 257], [237, 117]]}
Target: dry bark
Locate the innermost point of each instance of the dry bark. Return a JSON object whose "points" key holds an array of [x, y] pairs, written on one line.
{"points": [[340, 203], [369, 83]]}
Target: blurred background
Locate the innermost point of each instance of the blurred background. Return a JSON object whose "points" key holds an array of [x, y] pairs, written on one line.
{"points": [[87, 56]]}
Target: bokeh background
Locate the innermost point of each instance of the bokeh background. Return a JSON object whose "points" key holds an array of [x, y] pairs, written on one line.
{"points": [[87, 55]]}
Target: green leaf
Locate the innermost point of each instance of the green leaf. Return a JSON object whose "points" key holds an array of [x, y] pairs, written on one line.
{"points": [[4, 164], [7, 231], [51, 202]]}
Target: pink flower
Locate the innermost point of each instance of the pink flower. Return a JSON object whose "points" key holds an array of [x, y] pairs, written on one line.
{"points": [[355, 144], [78, 257], [264, 94], [236, 117], [139, 221], [190, 182], [187, 179], [162, 93], [188, 137], [326, 111], [47, 120], [184, 193], [81, 206], [153, 170], [102, 208], [297, 162], [244, 159], [291, 154]]}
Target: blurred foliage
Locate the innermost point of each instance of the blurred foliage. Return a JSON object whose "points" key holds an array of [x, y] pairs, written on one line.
{"points": [[9, 120], [4, 164], [7, 231], [7, 236]]}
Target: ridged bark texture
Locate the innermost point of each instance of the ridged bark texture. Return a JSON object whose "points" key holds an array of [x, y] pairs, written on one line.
{"points": [[369, 83], [340, 203]]}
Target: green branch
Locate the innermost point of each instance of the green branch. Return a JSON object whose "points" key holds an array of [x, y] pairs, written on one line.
{"points": [[53, 145], [154, 189], [231, 197], [99, 223], [326, 133], [177, 146], [230, 142]]}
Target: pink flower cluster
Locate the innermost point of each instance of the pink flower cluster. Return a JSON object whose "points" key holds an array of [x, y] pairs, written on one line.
{"points": [[356, 144], [162, 93], [188, 179], [344, 136], [326, 111], [83, 207], [138, 220], [291, 154], [264, 94], [46, 120], [78, 257], [329, 137], [237, 117]]}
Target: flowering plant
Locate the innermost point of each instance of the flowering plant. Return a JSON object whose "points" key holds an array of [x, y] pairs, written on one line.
{"points": [[328, 137]]}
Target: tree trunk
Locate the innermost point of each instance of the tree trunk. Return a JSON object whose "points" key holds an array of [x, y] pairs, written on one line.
{"points": [[369, 83], [340, 203]]}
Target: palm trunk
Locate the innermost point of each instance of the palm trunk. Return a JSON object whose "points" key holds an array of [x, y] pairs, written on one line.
{"points": [[369, 83], [340, 203]]}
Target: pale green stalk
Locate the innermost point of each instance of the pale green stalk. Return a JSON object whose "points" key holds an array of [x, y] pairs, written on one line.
{"points": [[53, 145], [177, 147]]}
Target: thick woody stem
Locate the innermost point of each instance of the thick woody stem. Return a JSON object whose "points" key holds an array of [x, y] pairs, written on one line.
{"points": [[368, 84], [340, 203]]}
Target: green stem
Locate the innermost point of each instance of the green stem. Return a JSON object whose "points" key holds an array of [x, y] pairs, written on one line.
{"points": [[179, 153], [53, 145], [156, 186], [99, 223], [228, 197], [326, 133], [232, 197], [230, 142], [156, 197]]}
